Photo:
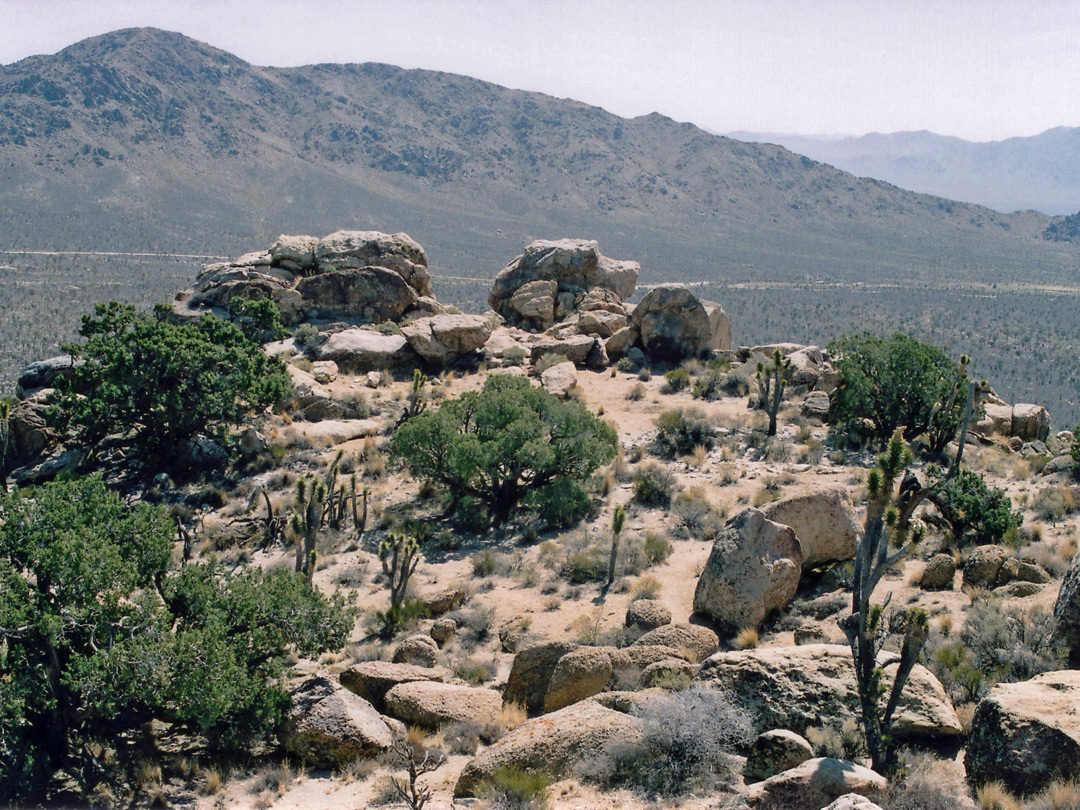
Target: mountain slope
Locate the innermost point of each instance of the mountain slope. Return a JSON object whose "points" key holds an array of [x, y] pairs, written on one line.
{"points": [[143, 139], [1041, 172]]}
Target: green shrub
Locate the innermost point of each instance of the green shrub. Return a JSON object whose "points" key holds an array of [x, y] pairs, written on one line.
{"points": [[977, 513], [587, 565], [483, 563], [676, 380], [514, 788], [898, 383], [653, 485], [500, 443], [305, 334], [681, 430], [471, 515], [155, 383], [559, 504], [547, 361], [657, 548], [696, 515]]}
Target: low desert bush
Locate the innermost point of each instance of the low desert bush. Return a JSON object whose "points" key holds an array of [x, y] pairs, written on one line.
{"points": [[676, 380], [654, 485], [465, 736], [514, 788], [656, 548], [548, 361], [646, 587], [637, 393], [1054, 503], [846, 742], [928, 784], [681, 430], [688, 741], [696, 515]]}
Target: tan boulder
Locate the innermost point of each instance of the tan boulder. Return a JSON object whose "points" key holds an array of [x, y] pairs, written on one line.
{"points": [[431, 704], [690, 641], [672, 323], [420, 650], [327, 725], [642, 656], [752, 571], [295, 253], [531, 673], [601, 299], [555, 743], [825, 522], [367, 294], [939, 573], [371, 680], [579, 674], [814, 784], [600, 322], [357, 351], [1027, 734], [559, 379], [668, 671], [853, 801], [983, 565], [441, 339], [1067, 609], [795, 687], [647, 614], [440, 602], [398, 252]]}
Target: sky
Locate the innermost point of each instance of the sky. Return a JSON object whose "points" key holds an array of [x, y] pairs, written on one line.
{"points": [[980, 70]]}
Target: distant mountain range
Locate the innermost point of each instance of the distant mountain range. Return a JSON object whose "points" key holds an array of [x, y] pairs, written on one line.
{"points": [[1041, 172], [147, 140]]}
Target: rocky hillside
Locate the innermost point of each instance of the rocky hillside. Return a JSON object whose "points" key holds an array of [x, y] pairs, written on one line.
{"points": [[704, 664], [147, 140]]}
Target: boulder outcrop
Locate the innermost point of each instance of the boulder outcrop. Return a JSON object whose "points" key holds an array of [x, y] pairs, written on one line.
{"points": [[441, 339], [795, 687], [1067, 609], [1027, 734], [431, 704], [689, 641], [775, 751], [531, 673], [327, 725], [672, 323], [816, 783], [371, 680], [824, 521], [753, 570]]}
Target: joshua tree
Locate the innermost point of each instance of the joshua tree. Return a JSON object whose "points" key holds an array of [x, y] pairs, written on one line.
{"points": [[416, 402], [771, 385], [399, 554], [617, 521], [306, 523]]}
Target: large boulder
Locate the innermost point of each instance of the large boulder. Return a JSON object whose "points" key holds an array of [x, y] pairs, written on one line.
{"points": [[719, 326], [982, 568], [559, 379], [775, 751], [814, 784], [532, 306], [555, 743], [753, 570], [825, 522], [366, 294], [853, 801], [690, 641], [1067, 609], [531, 673], [1027, 734], [672, 323], [398, 252], [441, 339], [576, 266], [419, 650], [798, 687], [939, 573], [44, 373], [361, 350], [1023, 420], [371, 680], [29, 432], [295, 253], [327, 725], [648, 614], [579, 674], [431, 704]]}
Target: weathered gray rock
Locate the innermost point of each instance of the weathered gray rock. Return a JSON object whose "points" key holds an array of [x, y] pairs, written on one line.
{"points": [[574, 265], [601, 323], [621, 342], [601, 299], [327, 725], [824, 521], [1027, 734], [44, 373], [514, 633], [371, 680], [719, 326], [816, 405], [440, 602], [295, 253], [555, 743], [442, 630], [690, 641], [672, 323], [853, 801], [559, 379], [29, 434], [647, 614], [357, 351], [939, 573], [775, 751], [642, 656], [579, 674], [795, 687], [420, 650], [816, 783], [444, 338], [398, 252], [532, 306], [753, 570], [576, 348], [1024, 421], [365, 294], [666, 672], [531, 673], [431, 704], [1067, 609]]}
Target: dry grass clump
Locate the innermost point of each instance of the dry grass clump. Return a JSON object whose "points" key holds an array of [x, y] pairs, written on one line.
{"points": [[930, 784], [645, 587], [995, 796], [1057, 796], [746, 639]]}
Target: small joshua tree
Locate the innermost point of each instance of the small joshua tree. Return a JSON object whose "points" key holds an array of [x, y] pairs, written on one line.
{"points": [[416, 402], [771, 386], [399, 554], [306, 523], [617, 522]]}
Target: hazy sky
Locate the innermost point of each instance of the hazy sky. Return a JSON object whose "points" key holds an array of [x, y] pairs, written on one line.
{"points": [[981, 70]]}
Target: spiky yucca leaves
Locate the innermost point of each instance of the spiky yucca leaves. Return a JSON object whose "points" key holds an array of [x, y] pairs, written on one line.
{"points": [[307, 521], [771, 386], [399, 555]]}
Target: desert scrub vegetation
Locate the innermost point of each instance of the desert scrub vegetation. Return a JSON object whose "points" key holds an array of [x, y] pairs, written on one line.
{"points": [[99, 559], [687, 746], [500, 444], [150, 384], [976, 512], [681, 430], [514, 788], [653, 485]]}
